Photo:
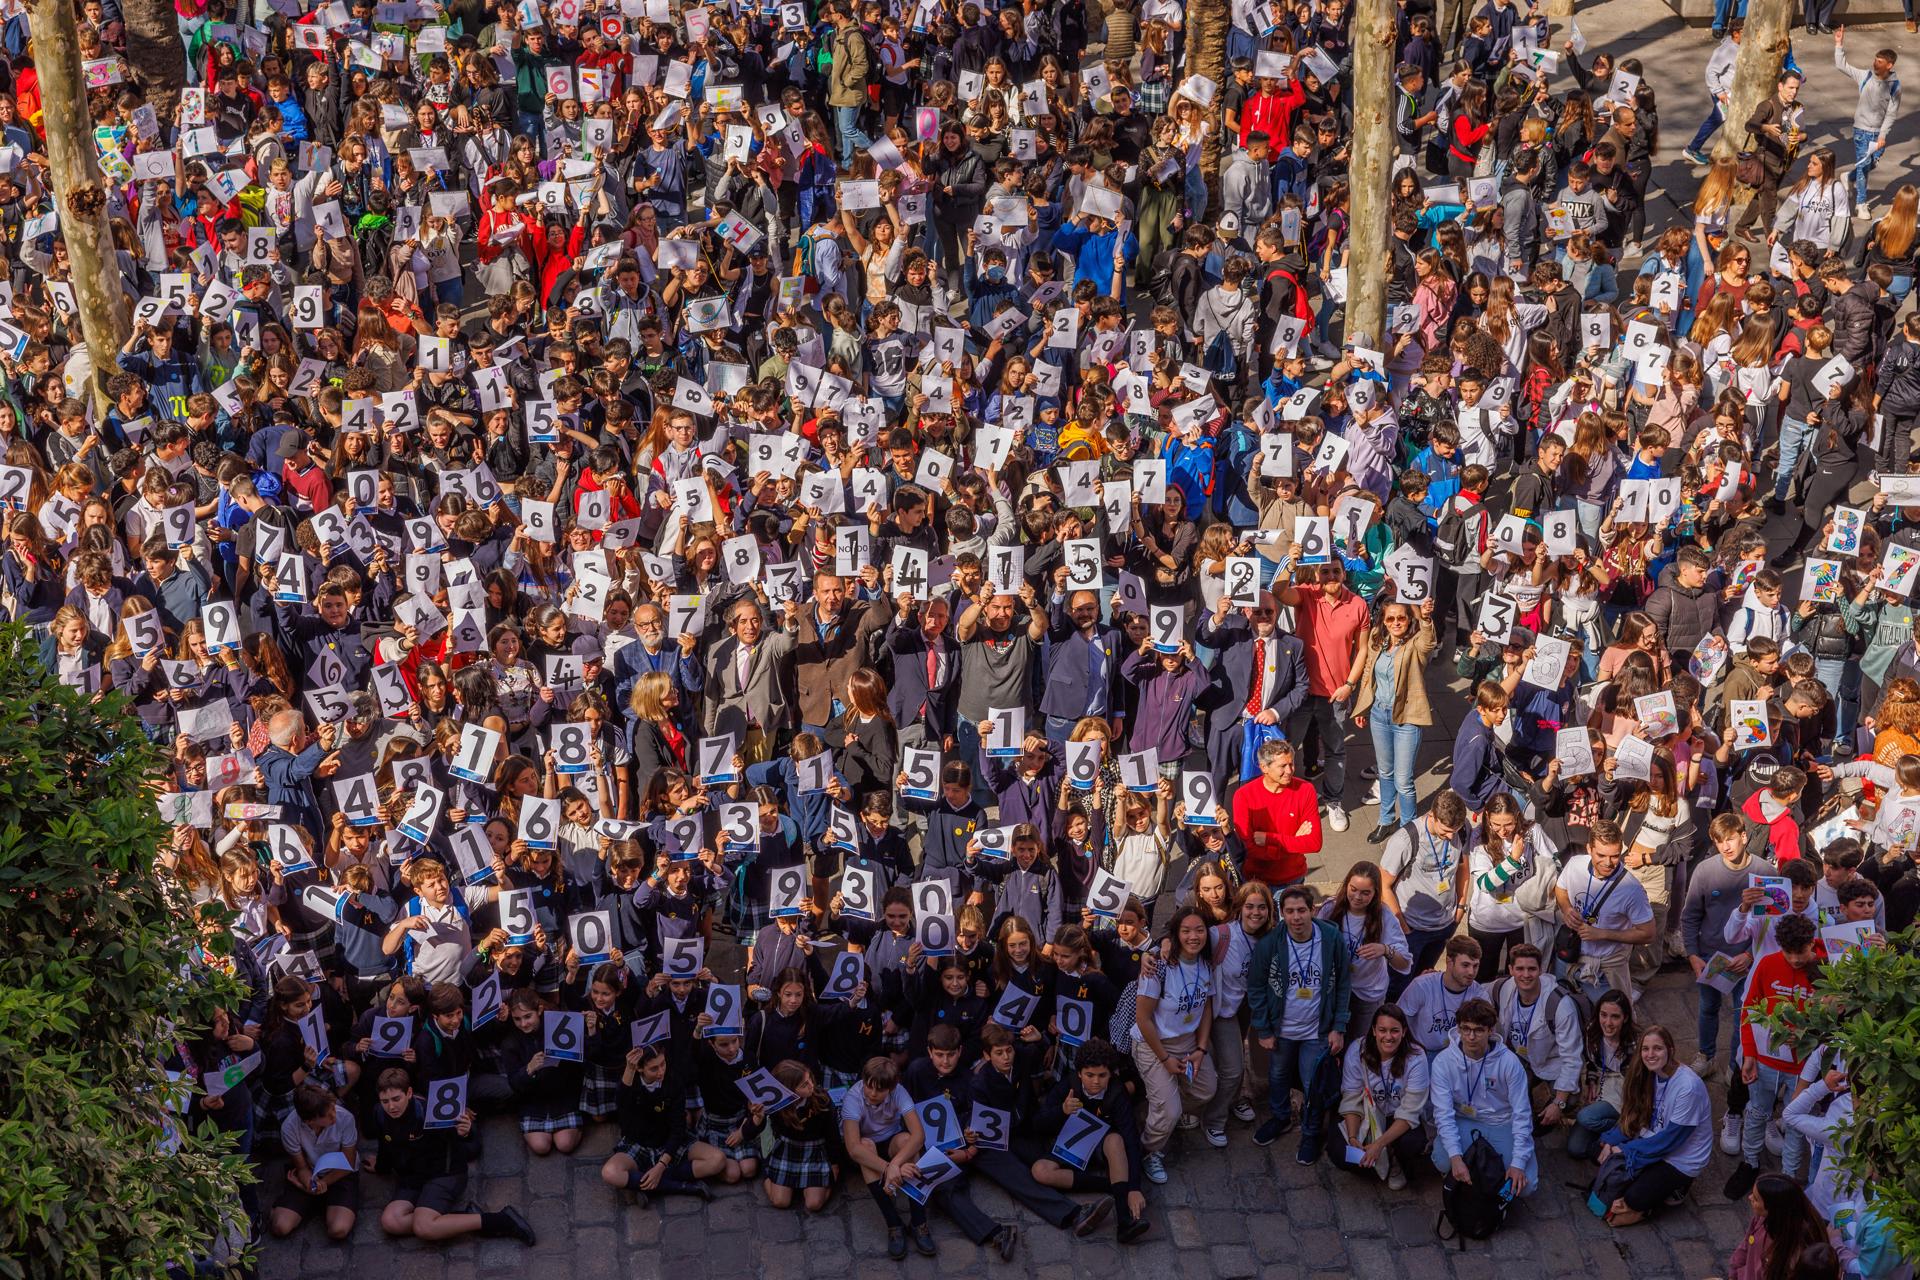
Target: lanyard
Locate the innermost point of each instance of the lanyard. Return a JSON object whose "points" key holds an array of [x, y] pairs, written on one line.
{"points": [[1660, 1084], [1188, 988], [1440, 864], [1294, 954], [1591, 911], [1473, 1082], [1524, 1029]]}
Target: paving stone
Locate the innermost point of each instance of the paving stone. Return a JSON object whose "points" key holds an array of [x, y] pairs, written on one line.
{"points": [[1233, 1262]]}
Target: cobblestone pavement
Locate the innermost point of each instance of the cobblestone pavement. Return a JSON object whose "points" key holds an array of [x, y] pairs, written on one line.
{"points": [[1224, 1215]]}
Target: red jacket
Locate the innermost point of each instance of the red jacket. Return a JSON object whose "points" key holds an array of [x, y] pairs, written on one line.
{"points": [[1272, 114], [1268, 823], [1774, 983]]}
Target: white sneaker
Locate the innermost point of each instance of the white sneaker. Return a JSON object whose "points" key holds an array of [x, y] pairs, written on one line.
{"points": [[1336, 818], [1396, 1177], [1776, 1137], [1156, 1169], [1189, 1121], [1730, 1128], [1702, 1065], [1216, 1137], [1243, 1111]]}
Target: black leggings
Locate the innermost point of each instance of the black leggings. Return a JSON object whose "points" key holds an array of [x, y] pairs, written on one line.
{"points": [[1654, 1185], [1409, 1150]]}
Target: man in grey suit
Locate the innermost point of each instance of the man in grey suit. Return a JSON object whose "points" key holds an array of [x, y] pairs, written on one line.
{"points": [[749, 682]]}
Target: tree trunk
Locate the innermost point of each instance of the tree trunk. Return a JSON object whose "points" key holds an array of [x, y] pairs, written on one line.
{"points": [[1207, 25], [154, 50], [1368, 236], [1756, 69], [79, 191]]}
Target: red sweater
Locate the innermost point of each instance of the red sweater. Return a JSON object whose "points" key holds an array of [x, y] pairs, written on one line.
{"points": [[1267, 822], [1774, 982]]}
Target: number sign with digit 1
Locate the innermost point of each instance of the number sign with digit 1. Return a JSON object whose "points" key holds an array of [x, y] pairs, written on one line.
{"points": [[1140, 770], [473, 759], [1007, 730]]}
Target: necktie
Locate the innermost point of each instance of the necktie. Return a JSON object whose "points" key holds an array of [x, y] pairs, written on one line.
{"points": [[1258, 679], [740, 667], [933, 674]]}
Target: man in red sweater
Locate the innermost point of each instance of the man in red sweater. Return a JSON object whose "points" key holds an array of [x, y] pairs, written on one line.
{"points": [[1770, 1065], [1277, 817]]}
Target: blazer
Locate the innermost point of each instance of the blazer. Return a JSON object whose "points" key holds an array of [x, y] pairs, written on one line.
{"points": [[1232, 642], [1410, 703], [766, 701], [908, 693], [825, 663], [1067, 690]]}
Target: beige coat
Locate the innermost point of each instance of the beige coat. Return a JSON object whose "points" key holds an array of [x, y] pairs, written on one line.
{"points": [[1410, 703]]}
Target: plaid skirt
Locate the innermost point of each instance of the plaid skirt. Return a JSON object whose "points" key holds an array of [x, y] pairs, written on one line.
{"points": [[1153, 97], [715, 1130], [600, 1091], [645, 1157], [537, 1123], [832, 1078], [795, 1163]]}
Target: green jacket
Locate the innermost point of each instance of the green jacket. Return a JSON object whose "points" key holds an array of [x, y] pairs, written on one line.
{"points": [[1268, 987]]}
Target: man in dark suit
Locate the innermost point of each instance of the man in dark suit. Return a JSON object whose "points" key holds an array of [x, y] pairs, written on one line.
{"points": [[1247, 645], [926, 662], [749, 683], [1081, 659]]}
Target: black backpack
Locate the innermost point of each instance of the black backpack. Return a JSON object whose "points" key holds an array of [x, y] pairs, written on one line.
{"points": [[1456, 539], [1160, 279], [1476, 1208]]}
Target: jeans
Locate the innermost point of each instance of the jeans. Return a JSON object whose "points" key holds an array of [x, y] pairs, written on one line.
{"points": [[1768, 1089], [1899, 288], [1396, 748], [1293, 1064], [1724, 12], [846, 126], [1706, 1025], [1326, 721], [1707, 128], [1589, 1123], [1795, 436], [1842, 678], [1866, 154]]}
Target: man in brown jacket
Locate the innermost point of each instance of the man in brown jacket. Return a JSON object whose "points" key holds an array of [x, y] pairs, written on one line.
{"points": [[831, 641], [1775, 127], [847, 82]]}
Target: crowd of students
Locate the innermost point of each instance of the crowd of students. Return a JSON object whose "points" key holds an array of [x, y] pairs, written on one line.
{"points": [[588, 483]]}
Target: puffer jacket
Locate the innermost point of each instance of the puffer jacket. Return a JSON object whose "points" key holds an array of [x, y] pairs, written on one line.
{"points": [[1682, 614]]}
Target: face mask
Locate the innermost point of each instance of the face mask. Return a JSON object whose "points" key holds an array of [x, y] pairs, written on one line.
{"points": [[996, 274]]}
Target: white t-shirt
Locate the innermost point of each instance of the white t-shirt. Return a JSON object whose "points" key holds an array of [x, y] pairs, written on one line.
{"points": [[1368, 977], [1182, 989], [1391, 1094], [1306, 986], [1230, 978], [1682, 1099], [877, 1124], [1625, 907]]}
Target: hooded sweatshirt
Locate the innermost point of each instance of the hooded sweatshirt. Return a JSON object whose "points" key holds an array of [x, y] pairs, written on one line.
{"points": [[1753, 618]]}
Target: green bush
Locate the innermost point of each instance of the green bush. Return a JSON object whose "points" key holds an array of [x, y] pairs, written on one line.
{"points": [[1867, 1008], [94, 988]]}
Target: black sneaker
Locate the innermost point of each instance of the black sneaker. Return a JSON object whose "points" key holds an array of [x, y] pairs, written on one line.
{"points": [[1309, 1152], [923, 1240], [1382, 834], [517, 1226], [1744, 1176], [896, 1243], [1090, 1217], [1132, 1228], [1273, 1128], [1007, 1241]]}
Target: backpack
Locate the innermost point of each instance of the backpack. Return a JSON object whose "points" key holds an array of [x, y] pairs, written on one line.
{"points": [[1476, 1208], [1302, 310], [1561, 991], [1455, 540], [1160, 279], [1220, 359]]}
